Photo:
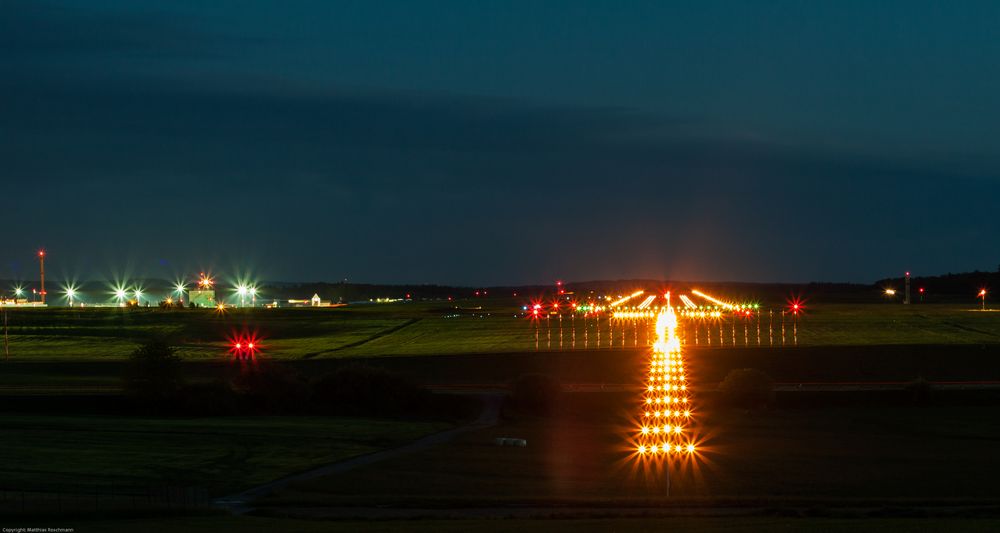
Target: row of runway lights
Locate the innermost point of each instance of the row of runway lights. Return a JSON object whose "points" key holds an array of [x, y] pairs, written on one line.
{"points": [[537, 311], [666, 406], [703, 312]]}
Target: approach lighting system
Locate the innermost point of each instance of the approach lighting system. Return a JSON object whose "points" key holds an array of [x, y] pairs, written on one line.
{"points": [[666, 403], [716, 301], [624, 299]]}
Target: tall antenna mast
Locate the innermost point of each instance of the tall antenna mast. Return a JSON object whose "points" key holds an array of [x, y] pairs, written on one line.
{"points": [[41, 267]]}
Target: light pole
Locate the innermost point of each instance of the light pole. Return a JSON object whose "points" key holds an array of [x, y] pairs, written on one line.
{"points": [[120, 295], [982, 294]]}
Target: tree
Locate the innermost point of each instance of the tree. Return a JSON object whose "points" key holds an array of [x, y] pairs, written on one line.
{"points": [[153, 372]]}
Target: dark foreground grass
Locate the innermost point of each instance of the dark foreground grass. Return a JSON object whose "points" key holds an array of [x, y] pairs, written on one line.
{"points": [[50, 453], [824, 364], [218, 524], [821, 456]]}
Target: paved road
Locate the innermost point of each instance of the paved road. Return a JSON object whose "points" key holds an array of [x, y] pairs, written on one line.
{"points": [[242, 502]]}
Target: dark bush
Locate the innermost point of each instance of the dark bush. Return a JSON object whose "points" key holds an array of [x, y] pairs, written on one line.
{"points": [[153, 373], [535, 393], [364, 390], [268, 387], [748, 388], [215, 398]]}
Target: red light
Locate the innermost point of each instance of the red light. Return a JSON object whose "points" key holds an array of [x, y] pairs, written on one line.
{"points": [[921, 289], [244, 346], [795, 305]]}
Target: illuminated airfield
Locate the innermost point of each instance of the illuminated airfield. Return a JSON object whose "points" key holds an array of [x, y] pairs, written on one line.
{"points": [[666, 407], [627, 321]]}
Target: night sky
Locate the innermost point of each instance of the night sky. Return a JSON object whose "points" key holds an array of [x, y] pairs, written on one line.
{"points": [[477, 143]]}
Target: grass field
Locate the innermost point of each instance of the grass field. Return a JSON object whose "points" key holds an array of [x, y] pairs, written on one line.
{"points": [[871, 455], [482, 326], [820, 457], [219, 455]]}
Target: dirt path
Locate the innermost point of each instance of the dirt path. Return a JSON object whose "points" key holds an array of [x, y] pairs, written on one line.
{"points": [[241, 503], [366, 340]]}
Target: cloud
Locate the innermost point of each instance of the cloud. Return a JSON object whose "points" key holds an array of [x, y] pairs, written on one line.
{"points": [[41, 31], [456, 187]]}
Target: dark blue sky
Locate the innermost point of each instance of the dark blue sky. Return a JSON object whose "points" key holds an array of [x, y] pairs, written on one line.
{"points": [[500, 142]]}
